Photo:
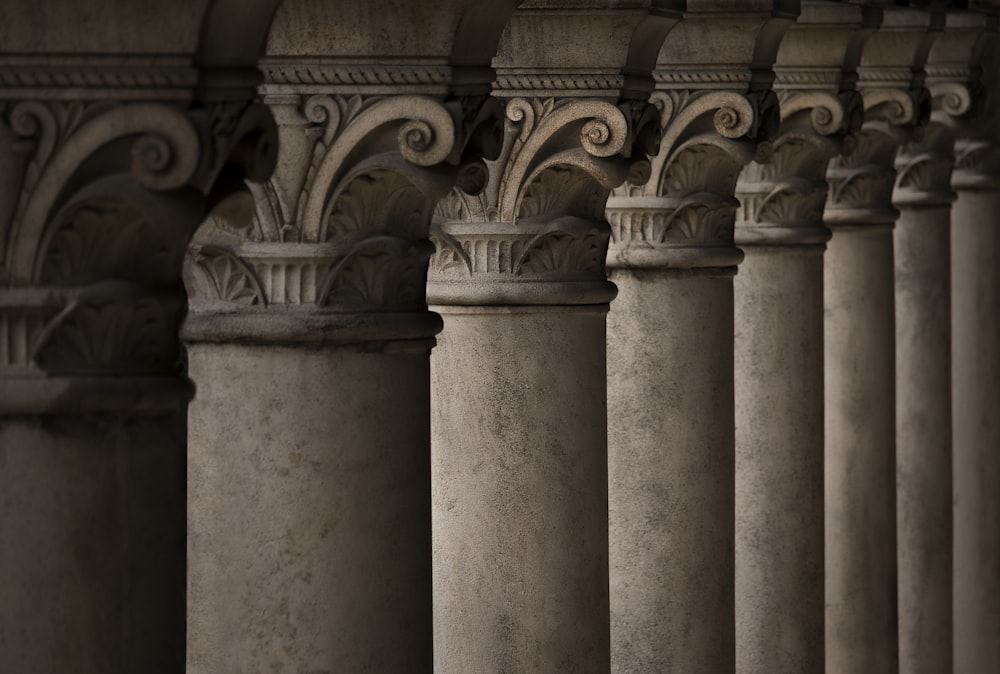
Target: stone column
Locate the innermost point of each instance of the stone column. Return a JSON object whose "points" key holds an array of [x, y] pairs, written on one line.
{"points": [[975, 305], [923, 401], [308, 338], [519, 462], [670, 353], [860, 468], [93, 223], [779, 347], [923, 356]]}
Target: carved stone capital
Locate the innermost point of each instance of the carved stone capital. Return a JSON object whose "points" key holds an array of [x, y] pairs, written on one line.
{"points": [[781, 200], [923, 169], [861, 183], [716, 114], [98, 196], [683, 215], [333, 247], [536, 234]]}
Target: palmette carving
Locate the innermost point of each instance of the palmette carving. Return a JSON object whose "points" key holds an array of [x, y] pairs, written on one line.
{"points": [[861, 183], [923, 169], [782, 200], [540, 217], [683, 215], [342, 227]]}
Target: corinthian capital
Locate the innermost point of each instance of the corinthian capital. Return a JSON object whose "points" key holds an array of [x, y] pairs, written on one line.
{"points": [[924, 166], [781, 200], [536, 234], [98, 195], [891, 81], [340, 230], [716, 112]]}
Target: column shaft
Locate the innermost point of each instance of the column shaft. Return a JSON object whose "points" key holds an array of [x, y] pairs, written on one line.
{"points": [[860, 458], [520, 490], [308, 510], [975, 244], [92, 519], [671, 470], [779, 460]]}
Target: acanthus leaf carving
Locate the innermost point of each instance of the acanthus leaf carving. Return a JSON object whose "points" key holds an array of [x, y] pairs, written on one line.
{"points": [[217, 275], [592, 135], [565, 249], [382, 272]]}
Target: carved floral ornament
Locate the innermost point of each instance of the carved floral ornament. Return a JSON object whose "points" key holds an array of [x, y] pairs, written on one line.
{"points": [[342, 227], [683, 215], [540, 217], [861, 182], [97, 200]]}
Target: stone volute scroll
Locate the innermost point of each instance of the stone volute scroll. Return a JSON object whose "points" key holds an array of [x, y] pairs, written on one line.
{"points": [[307, 294], [111, 151], [896, 102], [781, 200], [716, 111], [99, 198]]}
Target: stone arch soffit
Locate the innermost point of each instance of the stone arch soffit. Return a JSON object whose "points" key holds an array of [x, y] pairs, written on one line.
{"points": [[479, 29], [234, 32]]}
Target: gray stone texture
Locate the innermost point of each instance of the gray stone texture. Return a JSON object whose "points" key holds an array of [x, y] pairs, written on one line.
{"points": [[779, 460], [308, 510], [975, 305], [670, 471], [923, 438], [92, 560], [520, 510], [860, 468]]}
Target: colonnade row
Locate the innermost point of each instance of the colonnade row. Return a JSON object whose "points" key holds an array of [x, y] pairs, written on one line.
{"points": [[545, 338]]}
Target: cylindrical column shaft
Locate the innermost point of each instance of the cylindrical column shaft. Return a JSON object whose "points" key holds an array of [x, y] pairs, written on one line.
{"points": [[975, 246], [923, 439], [779, 460], [670, 458], [520, 490], [860, 459], [308, 509], [92, 565]]}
